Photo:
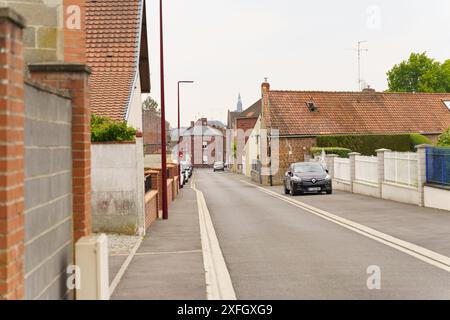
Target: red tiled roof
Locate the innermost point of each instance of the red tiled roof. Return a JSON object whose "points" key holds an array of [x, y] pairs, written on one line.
{"points": [[358, 112], [113, 40]]}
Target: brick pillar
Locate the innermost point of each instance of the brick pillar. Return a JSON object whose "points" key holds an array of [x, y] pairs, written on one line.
{"points": [[422, 170], [74, 78], [352, 156], [11, 155], [380, 166], [75, 31]]}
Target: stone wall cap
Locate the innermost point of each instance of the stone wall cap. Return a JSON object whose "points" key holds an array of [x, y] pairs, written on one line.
{"points": [[57, 66], [354, 154], [422, 146], [13, 16], [383, 150], [43, 87]]}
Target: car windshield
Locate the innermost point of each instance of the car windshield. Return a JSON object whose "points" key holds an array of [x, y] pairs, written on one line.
{"points": [[308, 167]]}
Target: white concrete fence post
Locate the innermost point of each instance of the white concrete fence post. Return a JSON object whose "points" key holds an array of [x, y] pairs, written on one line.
{"points": [[353, 156], [380, 167], [330, 164], [421, 170]]}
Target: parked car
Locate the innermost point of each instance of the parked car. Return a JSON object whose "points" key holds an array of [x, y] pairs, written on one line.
{"points": [[188, 167], [307, 177], [219, 166]]}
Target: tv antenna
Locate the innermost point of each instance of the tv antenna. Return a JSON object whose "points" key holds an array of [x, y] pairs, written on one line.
{"points": [[360, 50]]}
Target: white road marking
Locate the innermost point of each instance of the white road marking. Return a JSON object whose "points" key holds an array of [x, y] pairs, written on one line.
{"points": [[124, 268], [166, 252], [423, 254], [217, 277]]}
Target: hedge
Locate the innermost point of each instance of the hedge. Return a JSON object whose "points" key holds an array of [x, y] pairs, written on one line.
{"points": [[367, 144], [341, 152], [106, 130]]}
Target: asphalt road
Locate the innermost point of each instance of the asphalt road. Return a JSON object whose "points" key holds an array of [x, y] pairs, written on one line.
{"points": [[275, 250]]}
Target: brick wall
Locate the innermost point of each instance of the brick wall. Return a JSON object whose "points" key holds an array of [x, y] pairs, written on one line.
{"points": [[74, 31], [151, 208], [247, 125], [74, 78], [291, 150], [12, 156], [48, 192], [151, 122]]}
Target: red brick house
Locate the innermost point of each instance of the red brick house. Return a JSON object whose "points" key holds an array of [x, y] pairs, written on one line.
{"points": [[202, 144], [301, 116], [152, 131], [240, 125]]}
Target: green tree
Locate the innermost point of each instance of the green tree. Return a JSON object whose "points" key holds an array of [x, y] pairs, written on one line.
{"points": [[444, 139], [151, 104], [420, 74]]}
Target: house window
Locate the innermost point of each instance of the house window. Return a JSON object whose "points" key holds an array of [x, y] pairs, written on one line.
{"points": [[312, 107], [447, 104]]}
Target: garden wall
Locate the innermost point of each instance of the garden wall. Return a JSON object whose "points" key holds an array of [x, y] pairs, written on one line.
{"points": [[118, 187]]}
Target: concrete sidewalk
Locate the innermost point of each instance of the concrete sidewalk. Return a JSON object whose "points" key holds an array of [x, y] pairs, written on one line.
{"points": [[169, 263]]}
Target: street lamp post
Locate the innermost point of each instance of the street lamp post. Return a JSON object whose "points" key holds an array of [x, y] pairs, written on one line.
{"points": [[179, 132], [165, 207]]}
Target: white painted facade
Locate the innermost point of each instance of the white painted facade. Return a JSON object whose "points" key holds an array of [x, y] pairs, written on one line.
{"points": [[252, 149], [135, 108]]}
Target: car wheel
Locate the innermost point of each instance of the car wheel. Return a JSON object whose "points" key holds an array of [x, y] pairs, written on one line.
{"points": [[286, 190], [292, 191]]}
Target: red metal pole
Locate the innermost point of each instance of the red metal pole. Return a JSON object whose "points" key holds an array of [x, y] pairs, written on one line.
{"points": [[165, 206], [179, 138]]}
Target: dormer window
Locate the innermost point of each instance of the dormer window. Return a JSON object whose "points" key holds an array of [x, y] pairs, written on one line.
{"points": [[312, 107], [447, 104]]}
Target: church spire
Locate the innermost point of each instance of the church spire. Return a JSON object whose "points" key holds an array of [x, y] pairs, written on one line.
{"points": [[239, 103]]}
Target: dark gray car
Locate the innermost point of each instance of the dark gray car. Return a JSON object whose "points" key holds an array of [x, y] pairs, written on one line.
{"points": [[307, 177]]}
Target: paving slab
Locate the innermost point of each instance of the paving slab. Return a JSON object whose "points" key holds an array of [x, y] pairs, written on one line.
{"points": [[169, 263]]}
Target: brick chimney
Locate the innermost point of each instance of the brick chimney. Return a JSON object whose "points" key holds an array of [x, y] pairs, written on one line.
{"points": [[369, 90], [265, 89]]}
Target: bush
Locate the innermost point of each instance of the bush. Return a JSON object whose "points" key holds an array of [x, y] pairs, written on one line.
{"points": [[444, 139], [367, 144], [106, 130], [341, 152]]}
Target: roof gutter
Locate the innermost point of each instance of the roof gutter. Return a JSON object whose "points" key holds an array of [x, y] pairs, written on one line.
{"points": [[345, 134]]}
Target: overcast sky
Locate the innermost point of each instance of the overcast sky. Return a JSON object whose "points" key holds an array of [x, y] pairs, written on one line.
{"points": [[229, 46]]}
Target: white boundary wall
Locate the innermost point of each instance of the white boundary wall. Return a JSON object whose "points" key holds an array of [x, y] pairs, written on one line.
{"points": [[118, 187], [397, 176], [437, 198]]}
